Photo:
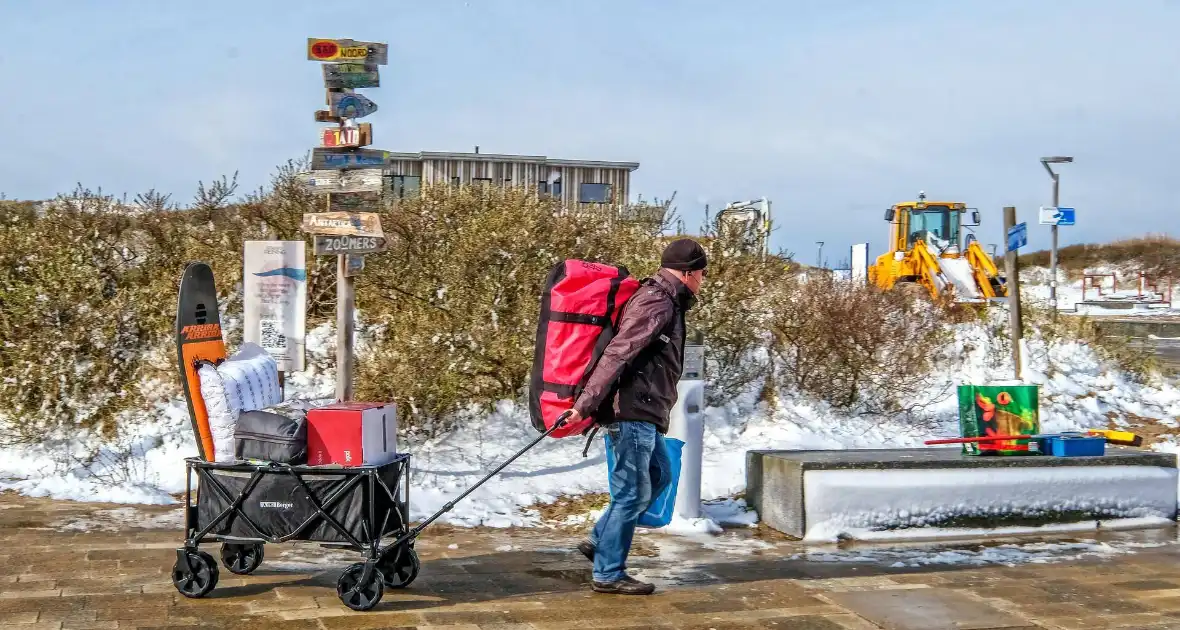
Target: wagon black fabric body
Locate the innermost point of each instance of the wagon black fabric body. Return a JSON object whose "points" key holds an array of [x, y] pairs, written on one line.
{"points": [[281, 503]]}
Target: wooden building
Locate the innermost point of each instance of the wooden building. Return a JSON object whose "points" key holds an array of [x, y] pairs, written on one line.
{"points": [[576, 182]]}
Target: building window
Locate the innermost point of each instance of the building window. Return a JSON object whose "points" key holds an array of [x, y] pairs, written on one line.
{"points": [[557, 187], [482, 181], [405, 186], [455, 182], [594, 193], [543, 188]]}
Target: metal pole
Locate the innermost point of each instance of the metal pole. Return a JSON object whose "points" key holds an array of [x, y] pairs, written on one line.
{"points": [[1053, 255], [1010, 265], [819, 255]]}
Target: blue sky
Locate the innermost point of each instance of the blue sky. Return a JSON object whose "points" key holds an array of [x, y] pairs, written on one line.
{"points": [[832, 109]]}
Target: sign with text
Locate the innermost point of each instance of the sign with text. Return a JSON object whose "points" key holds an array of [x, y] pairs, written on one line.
{"points": [[358, 180], [320, 49], [275, 300], [336, 75], [359, 136], [349, 105], [353, 202], [1058, 216], [338, 245], [343, 223], [1017, 236], [323, 158]]}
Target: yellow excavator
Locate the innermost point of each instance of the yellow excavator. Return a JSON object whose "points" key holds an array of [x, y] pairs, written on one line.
{"points": [[926, 250]]}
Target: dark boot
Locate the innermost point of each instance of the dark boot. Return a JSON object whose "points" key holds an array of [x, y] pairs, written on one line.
{"points": [[587, 548], [626, 586]]}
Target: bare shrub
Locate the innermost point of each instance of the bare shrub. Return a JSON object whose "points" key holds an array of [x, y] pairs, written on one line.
{"points": [[458, 293], [734, 311], [857, 348]]}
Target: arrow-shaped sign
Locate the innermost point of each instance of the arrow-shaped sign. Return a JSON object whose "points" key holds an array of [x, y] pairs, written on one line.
{"points": [[347, 105]]}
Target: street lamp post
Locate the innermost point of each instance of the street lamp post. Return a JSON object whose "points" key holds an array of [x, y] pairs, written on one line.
{"points": [[1046, 161], [819, 255]]}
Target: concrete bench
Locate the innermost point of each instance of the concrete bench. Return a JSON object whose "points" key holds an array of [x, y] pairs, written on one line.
{"points": [[928, 492]]}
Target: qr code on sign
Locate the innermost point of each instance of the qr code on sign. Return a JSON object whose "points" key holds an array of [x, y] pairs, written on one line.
{"points": [[272, 335]]}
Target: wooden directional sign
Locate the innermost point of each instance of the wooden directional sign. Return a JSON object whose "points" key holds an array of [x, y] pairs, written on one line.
{"points": [[323, 159], [336, 245], [347, 105], [353, 202], [319, 49], [359, 136], [336, 75], [353, 181], [324, 115], [344, 224]]}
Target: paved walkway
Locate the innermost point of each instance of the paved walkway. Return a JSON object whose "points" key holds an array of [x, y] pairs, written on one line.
{"points": [[71, 565]]}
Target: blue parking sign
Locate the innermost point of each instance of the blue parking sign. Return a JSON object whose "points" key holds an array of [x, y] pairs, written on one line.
{"points": [[1017, 236]]}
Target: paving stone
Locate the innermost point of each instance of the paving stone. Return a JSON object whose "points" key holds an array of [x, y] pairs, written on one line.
{"points": [[805, 622], [19, 617], [925, 609]]}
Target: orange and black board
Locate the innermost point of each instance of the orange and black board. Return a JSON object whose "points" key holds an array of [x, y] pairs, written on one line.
{"points": [[198, 338]]}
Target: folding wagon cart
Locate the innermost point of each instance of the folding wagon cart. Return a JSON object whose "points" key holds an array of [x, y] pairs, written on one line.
{"points": [[245, 504]]}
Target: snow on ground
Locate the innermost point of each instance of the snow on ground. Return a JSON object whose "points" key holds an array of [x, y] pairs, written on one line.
{"points": [[146, 464], [1005, 554]]}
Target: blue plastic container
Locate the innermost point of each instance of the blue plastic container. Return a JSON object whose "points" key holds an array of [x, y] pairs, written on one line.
{"points": [[660, 512], [1073, 446]]}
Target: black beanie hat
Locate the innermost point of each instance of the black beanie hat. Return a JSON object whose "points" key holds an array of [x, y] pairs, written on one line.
{"points": [[684, 254]]}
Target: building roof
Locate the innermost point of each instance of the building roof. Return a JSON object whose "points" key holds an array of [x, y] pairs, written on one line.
{"points": [[523, 159]]}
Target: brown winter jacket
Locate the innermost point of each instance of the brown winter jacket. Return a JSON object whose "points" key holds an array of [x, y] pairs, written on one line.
{"points": [[641, 365]]}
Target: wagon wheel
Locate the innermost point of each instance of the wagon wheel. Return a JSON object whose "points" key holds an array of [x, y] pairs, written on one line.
{"points": [[241, 559], [201, 580], [400, 575], [358, 596]]}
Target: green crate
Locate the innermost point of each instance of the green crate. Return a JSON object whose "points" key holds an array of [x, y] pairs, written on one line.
{"points": [[999, 410]]}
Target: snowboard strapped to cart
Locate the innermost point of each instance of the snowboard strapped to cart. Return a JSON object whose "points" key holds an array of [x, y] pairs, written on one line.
{"points": [[245, 504]]}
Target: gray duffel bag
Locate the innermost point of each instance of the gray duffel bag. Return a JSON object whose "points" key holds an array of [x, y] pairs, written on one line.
{"points": [[271, 437]]}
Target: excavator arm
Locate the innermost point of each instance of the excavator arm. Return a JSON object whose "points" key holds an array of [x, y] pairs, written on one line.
{"points": [[985, 272]]}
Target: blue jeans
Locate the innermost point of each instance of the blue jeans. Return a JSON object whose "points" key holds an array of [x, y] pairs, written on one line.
{"points": [[642, 472]]}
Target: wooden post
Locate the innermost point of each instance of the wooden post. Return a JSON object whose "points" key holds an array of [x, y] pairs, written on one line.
{"points": [[1013, 273], [345, 304]]}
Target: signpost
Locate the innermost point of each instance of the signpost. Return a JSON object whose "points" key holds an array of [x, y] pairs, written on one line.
{"points": [[359, 136], [1046, 161], [1057, 216], [353, 181], [274, 283], [337, 245], [1017, 238], [354, 202], [324, 158], [319, 49], [350, 177], [343, 224], [339, 75], [350, 105]]}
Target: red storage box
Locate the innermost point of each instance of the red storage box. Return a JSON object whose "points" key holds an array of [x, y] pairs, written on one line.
{"points": [[352, 434]]}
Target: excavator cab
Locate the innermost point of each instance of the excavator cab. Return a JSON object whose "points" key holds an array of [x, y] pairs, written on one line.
{"points": [[927, 249]]}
